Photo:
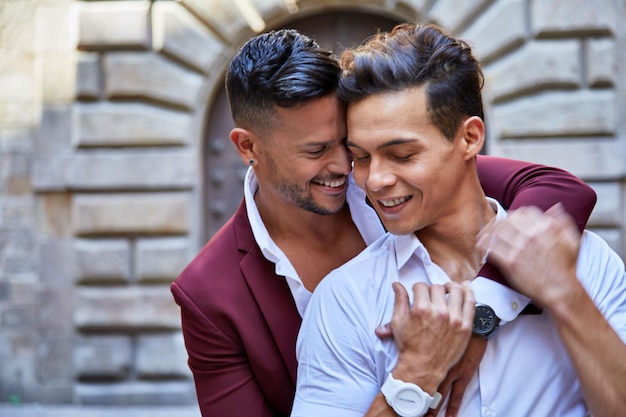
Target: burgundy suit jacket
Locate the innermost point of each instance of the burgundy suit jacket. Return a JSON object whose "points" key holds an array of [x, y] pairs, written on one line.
{"points": [[239, 318]]}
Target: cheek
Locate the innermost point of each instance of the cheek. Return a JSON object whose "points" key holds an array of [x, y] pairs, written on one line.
{"points": [[360, 173]]}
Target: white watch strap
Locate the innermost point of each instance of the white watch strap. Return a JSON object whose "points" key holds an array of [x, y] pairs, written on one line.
{"points": [[392, 385]]}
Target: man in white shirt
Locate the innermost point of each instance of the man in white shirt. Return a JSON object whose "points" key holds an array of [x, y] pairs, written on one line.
{"points": [[415, 123]]}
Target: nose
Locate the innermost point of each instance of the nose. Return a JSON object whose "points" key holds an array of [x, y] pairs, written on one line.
{"points": [[340, 160], [378, 175]]}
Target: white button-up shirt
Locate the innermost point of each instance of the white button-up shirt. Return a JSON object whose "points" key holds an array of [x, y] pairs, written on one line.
{"points": [[525, 371]]}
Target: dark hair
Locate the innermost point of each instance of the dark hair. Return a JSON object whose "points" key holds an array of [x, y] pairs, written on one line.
{"points": [[282, 67], [417, 55]]}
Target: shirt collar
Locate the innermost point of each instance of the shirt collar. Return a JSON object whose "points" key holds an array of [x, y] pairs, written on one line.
{"points": [[408, 245]]}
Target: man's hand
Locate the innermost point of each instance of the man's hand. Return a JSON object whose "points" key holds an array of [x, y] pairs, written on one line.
{"points": [[431, 335], [536, 251]]}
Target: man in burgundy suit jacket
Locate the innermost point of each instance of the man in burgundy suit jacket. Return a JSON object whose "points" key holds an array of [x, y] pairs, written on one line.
{"points": [[239, 317]]}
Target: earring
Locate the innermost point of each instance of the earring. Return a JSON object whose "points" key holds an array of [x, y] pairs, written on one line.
{"points": [[251, 162]]}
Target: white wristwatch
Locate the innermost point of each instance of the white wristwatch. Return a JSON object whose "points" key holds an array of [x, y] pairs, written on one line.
{"points": [[407, 399]]}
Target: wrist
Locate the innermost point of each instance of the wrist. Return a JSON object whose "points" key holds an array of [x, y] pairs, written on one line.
{"points": [[425, 376], [565, 304]]}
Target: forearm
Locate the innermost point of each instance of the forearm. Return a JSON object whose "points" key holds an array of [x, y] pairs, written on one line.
{"points": [[380, 408], [596, 351]]}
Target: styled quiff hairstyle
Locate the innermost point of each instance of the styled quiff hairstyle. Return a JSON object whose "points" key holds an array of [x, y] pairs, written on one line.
{"points": [[414, 55], [284, 68]]}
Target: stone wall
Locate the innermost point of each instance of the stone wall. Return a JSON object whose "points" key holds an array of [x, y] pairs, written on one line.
{"points": [[103, 110]]}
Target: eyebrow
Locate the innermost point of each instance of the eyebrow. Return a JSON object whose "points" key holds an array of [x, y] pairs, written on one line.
{"points": [[388, 144]]}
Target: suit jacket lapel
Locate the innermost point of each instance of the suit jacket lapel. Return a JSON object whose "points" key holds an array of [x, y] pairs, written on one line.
{"points": [[270, 291]]}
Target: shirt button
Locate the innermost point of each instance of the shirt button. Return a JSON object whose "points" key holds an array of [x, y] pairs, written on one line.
{"points": [[490, 413], [514, 305]]}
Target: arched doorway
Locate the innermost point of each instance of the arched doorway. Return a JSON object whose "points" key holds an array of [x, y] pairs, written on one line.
{"points": [[224, 171]]}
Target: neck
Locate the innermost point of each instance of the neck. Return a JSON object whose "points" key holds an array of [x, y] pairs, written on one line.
{"points": [[284, 221], [451, 242]]}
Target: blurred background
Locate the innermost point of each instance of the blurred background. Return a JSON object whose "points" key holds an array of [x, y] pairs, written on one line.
{"points": [[116, 167]]}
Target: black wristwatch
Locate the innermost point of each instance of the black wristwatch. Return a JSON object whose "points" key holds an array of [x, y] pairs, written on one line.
{"points": [[485, 321]]}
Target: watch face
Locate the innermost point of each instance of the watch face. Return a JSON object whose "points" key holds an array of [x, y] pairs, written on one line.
{"points": [[484, 320], [409, 402]]}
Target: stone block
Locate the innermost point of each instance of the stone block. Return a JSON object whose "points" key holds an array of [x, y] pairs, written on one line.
{"points": [[609, 208], [162, 356], [136, 214], [136, 393], [576, 17], [114, 24], [50, 173], [133, 170], [161, 259], [17, 21], [575, 113], [16, 316], [17, 139], [18, 114], [55, 130], [103, 260], [103, 357], [127, 170], [58, 85], [55, 313], [177, 33], [56, 264], [54, 216], [88, 76], [452, 14], [223, 16], [597, 159], [55, 358], [130, 124], [23, 291], [56, 392], [537, 65], [19, 378], [601, 62], [17, 87], [500, 28], [127, 308], [55, 27], [150, 76]]}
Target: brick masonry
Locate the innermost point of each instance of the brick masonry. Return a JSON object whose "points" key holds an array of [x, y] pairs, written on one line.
{"points": [[103, 106]]}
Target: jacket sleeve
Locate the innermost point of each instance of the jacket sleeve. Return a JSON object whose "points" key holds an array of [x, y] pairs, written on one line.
{"points": [[517, 183], [225, 383]]}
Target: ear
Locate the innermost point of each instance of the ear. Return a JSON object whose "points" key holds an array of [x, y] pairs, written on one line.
{"points": [[245, 142], [473, 136]]}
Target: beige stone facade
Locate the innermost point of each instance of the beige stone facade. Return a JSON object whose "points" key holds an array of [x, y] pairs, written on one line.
{"points": [[114, 170]]}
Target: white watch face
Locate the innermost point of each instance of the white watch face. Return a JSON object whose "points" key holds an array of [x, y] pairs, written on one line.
{"points": [[408, 402]]}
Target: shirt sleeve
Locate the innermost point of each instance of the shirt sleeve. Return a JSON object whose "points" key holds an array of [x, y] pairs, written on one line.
{"points": [[336, 369], [601, 271]]}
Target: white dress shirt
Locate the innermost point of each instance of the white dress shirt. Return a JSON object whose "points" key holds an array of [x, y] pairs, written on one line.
{"points": [[525, 371]]}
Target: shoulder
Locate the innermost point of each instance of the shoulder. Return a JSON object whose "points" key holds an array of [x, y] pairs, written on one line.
{"points": [[215, 274], [596, 253], [600, 269]]}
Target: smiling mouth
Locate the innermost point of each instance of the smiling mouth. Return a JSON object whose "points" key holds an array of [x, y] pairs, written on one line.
{"points": [[394, 202], [339, 182]]}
